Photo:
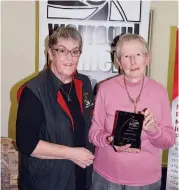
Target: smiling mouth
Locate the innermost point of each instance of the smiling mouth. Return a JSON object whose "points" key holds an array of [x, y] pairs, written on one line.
{"points": [[135, 69], [68, 65]]}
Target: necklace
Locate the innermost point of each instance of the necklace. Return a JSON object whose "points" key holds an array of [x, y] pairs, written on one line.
{"points": [[68, 95], [134, 101]]}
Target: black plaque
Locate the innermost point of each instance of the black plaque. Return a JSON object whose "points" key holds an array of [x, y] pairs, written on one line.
{"points": [[127, 129]]}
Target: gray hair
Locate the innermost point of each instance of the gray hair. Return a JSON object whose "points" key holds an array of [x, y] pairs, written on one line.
{"points": [[65, 32], [129, 37]]}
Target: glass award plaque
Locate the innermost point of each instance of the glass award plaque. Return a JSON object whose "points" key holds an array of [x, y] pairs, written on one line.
{"points": [[127, 129]]}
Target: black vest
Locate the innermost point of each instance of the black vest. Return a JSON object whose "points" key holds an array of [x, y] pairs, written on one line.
{"points": [[42, 174]]}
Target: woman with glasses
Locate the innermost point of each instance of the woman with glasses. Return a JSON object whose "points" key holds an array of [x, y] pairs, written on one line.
{"points": [[53, 120], [124, 167]]}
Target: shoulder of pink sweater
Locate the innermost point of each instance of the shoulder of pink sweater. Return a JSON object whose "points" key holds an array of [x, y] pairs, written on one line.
{"points": [[110, 82], [156, 86]]}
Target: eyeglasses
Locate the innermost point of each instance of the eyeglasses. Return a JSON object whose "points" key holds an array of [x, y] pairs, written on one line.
{"points": [[128, 57], [113, 53], [63, 52]]}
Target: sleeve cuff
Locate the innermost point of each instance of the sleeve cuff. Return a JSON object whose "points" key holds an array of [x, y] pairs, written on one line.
{"points": [[154, 135], [103, 139], [106, 142]]}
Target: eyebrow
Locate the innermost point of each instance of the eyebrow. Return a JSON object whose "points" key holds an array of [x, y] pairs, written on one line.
{"points": [[67, 48]]}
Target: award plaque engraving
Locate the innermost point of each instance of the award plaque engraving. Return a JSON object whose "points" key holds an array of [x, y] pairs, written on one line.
{"points": [[127, 129]]}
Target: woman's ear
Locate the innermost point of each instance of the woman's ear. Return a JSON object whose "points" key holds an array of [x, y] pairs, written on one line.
{"points": [[119, 62], [148, 58], [50, 54]]}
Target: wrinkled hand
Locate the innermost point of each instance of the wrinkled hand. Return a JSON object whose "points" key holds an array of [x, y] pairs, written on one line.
{"points": [[149, 124], [81, 156], [125, 148]]}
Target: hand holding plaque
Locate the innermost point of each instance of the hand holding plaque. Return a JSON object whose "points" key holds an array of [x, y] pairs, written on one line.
{"points": [[127, 129]]}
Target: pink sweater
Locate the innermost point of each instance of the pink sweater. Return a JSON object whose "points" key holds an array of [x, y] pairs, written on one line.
{"points": [[135, 169]]}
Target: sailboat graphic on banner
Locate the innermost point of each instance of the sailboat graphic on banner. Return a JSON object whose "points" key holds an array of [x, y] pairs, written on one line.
{"points": [[113, 10]]}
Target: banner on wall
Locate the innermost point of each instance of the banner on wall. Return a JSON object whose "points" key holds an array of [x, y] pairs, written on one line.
{"points": [[173, 155], [98, 22]]}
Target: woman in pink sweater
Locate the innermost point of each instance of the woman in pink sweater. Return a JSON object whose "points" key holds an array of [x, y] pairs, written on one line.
{"points": [[125, 168]]}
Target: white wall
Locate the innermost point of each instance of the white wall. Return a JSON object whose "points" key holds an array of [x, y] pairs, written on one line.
{"points": [[165, 16], [18, 49], [18, 52]]}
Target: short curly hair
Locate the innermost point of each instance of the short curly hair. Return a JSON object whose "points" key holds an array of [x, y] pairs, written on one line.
{"points": [[65, 32]]}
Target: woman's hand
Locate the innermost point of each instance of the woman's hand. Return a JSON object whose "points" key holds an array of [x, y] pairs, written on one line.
{"points": [[81, 156], [125, 148], [149, 124]]}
